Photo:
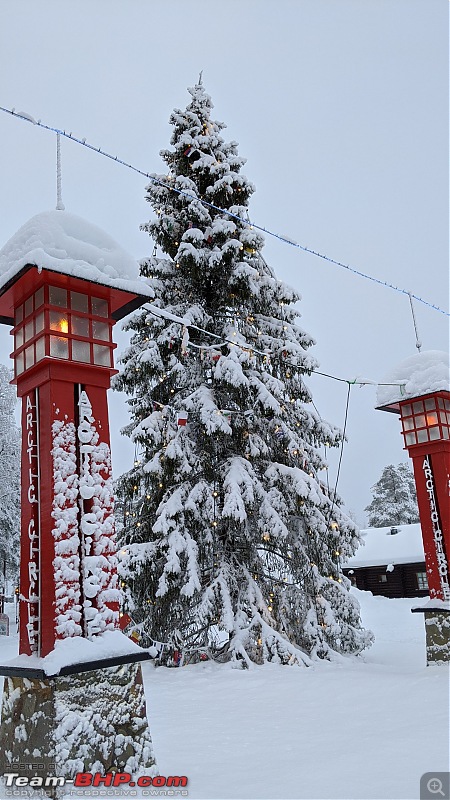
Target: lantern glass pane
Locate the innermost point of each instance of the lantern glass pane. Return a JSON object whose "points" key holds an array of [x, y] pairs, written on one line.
{"points": [[79, 302], [59, 347], [58, 297], [18, 316], [100, 330], [29, 330], [430, 404], [99, 307], [447, 404], [445, 433], [19, 363], [29, 357], [408, 424], [443, 416], [434, 433], [410, 438], [418, 407], [18, 338], [40, 348], [80, 326], [29, 306], [420, 421], [39, 322], [406, 411], [39, 297], [81, 351], [432, 419], [422, 436], [102, 355], [440, 402], [59, 322]]}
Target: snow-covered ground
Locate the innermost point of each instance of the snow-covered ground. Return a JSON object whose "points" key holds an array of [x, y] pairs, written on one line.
{"points": [[362, 728]]}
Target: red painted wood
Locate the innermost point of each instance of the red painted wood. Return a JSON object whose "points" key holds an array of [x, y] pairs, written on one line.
{"points": [[51, 594], [437, 455], [29, 552]]}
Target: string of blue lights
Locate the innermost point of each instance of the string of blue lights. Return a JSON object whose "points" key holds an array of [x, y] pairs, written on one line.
{"points": [[248, 223]]}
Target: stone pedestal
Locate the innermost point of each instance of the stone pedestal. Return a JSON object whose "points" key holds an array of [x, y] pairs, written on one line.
{"points": [[437, 631], [89, 722]]}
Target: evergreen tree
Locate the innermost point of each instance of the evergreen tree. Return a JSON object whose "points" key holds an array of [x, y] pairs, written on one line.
{"points": [[9, 481], [394, 499], [231, 534]]}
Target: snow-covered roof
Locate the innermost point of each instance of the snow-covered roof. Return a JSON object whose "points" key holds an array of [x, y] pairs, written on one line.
{"points": [[65, 243], [381, 548], [418, 375]]}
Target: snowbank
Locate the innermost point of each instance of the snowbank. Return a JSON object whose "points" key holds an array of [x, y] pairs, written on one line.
{"points": [[66, 243], [420, 374]]}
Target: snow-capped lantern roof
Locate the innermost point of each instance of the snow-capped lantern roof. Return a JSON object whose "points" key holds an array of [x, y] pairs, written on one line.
{"points": [[419, 375], [64, 243]]}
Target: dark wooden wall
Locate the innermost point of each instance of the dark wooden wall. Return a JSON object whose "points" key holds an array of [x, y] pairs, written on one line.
{"points": [[401, 582]]}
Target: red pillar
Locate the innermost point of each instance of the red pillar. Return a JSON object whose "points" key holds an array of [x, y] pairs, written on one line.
{"points": [[68, 565], [431, 473]]}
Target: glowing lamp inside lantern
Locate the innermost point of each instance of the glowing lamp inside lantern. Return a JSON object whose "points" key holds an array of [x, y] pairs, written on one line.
{"points": [[426, 420], [55, 322]]}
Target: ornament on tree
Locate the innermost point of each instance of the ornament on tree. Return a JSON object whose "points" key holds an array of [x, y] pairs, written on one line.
{"points": [[182, 418], [184, 341], [192, 153]]}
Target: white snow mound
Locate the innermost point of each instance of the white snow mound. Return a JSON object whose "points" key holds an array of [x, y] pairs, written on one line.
{"points": [[76, 650], [380, 547], [418, 375], [66, 243]]}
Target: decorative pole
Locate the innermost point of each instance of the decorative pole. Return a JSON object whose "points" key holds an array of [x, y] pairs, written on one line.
{"points": [[63, 285], [422, 398]]}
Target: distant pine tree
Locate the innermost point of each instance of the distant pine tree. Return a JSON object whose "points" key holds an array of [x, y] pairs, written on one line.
{"points": [[394, 499], [9, 480], [233, 542]]}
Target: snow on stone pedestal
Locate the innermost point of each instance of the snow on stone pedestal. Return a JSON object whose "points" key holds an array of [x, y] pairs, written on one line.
{"points": [[419, 390], [63, 285]]}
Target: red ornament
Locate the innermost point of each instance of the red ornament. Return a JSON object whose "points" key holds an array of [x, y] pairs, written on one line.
{"points": [[182, 418], [124, 620]]}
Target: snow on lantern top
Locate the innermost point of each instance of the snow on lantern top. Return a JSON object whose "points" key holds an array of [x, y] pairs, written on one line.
{"points": [[62, 242], [418, 375]]}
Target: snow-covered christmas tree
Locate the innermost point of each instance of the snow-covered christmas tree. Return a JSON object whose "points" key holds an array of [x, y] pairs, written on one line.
{"points": [[9, 481], [232, 541], [394, 500]]}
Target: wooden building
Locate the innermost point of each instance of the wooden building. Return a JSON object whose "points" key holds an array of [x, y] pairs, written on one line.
{"points": [[391, 562]]}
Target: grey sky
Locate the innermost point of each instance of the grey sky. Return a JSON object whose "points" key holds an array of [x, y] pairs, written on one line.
{"points": [[339, 106]]}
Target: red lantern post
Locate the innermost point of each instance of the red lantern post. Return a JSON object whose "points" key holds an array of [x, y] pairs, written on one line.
{"points": [[420, 394], [63, 286]]}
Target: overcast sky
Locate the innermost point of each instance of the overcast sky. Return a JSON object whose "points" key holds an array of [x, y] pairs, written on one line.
{"points": [[339, 106]]}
